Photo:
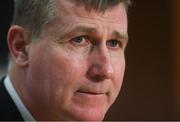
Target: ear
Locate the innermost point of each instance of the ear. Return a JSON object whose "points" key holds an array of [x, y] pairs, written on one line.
{"points": [[18, 41]]}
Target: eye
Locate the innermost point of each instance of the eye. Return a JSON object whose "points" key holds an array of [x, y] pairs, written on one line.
{"points": [[114, 44], [80, 41]]}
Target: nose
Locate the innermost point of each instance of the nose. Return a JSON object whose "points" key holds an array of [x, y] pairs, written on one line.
{"points": [[101, 67]]}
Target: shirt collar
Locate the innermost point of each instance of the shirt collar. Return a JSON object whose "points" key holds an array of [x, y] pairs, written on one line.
{"points": [[17, 100]]}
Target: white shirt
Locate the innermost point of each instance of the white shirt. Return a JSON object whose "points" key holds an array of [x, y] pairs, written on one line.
{"points": [[26, 115]]}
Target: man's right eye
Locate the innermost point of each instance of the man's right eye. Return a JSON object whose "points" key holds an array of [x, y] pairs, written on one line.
{"points": [[80, 41]]}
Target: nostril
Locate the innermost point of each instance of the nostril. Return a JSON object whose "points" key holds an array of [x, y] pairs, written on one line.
{"points": [[98, 78], [99, 73]]}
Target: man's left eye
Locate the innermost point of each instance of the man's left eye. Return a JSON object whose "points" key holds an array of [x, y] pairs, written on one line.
{"points": [[79, 41], [114, 44]]}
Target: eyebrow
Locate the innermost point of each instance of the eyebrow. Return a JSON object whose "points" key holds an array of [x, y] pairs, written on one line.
{"points": [[80, 29], [84, 29], [120, 35]]}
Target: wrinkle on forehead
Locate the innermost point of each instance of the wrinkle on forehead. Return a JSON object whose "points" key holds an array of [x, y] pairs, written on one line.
{"points": [[66, 8], [116, 13], [68, 14]]}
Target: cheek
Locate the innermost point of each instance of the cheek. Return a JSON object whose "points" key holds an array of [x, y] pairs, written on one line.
{"points": [[65, 75], [55, 75], [119, 69], [64, 71], [64, 67]]}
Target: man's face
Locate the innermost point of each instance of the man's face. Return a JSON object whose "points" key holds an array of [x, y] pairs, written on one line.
{"points": [[76, 70]]}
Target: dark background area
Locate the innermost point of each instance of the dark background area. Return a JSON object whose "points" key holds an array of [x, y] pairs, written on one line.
{"points": [[148, 91], [6, 12]]}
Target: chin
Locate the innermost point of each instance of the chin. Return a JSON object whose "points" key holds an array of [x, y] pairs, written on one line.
{"points": [[89, 115]]}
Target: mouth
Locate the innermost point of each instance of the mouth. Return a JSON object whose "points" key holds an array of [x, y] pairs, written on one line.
{"points": [[90, 103], [91, 92], [90, 98]]}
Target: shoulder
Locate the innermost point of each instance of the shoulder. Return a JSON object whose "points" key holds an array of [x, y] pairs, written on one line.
{"points": [[8, 110]]}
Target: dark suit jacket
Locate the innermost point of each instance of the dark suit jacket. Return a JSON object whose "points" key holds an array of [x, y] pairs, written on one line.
{"points": [[8, 109]]}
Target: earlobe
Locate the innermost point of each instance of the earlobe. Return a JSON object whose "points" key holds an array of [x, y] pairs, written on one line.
{"points": [[17, 42]]}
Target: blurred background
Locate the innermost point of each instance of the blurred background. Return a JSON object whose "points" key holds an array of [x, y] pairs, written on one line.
{"points": [[151, 88]]}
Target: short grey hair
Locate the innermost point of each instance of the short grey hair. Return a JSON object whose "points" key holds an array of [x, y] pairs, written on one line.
{"points": [[101, 5], [35, 14]]}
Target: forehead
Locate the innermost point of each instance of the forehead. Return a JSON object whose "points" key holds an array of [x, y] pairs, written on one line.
{"points": [[68, 9], [69, 17]]}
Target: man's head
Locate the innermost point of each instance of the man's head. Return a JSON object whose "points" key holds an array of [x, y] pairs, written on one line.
{"points": [[68, 56], [34, 14]]}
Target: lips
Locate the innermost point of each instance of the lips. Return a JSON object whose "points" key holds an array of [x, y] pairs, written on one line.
{"points": [[91, 92], [90, 97]]}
